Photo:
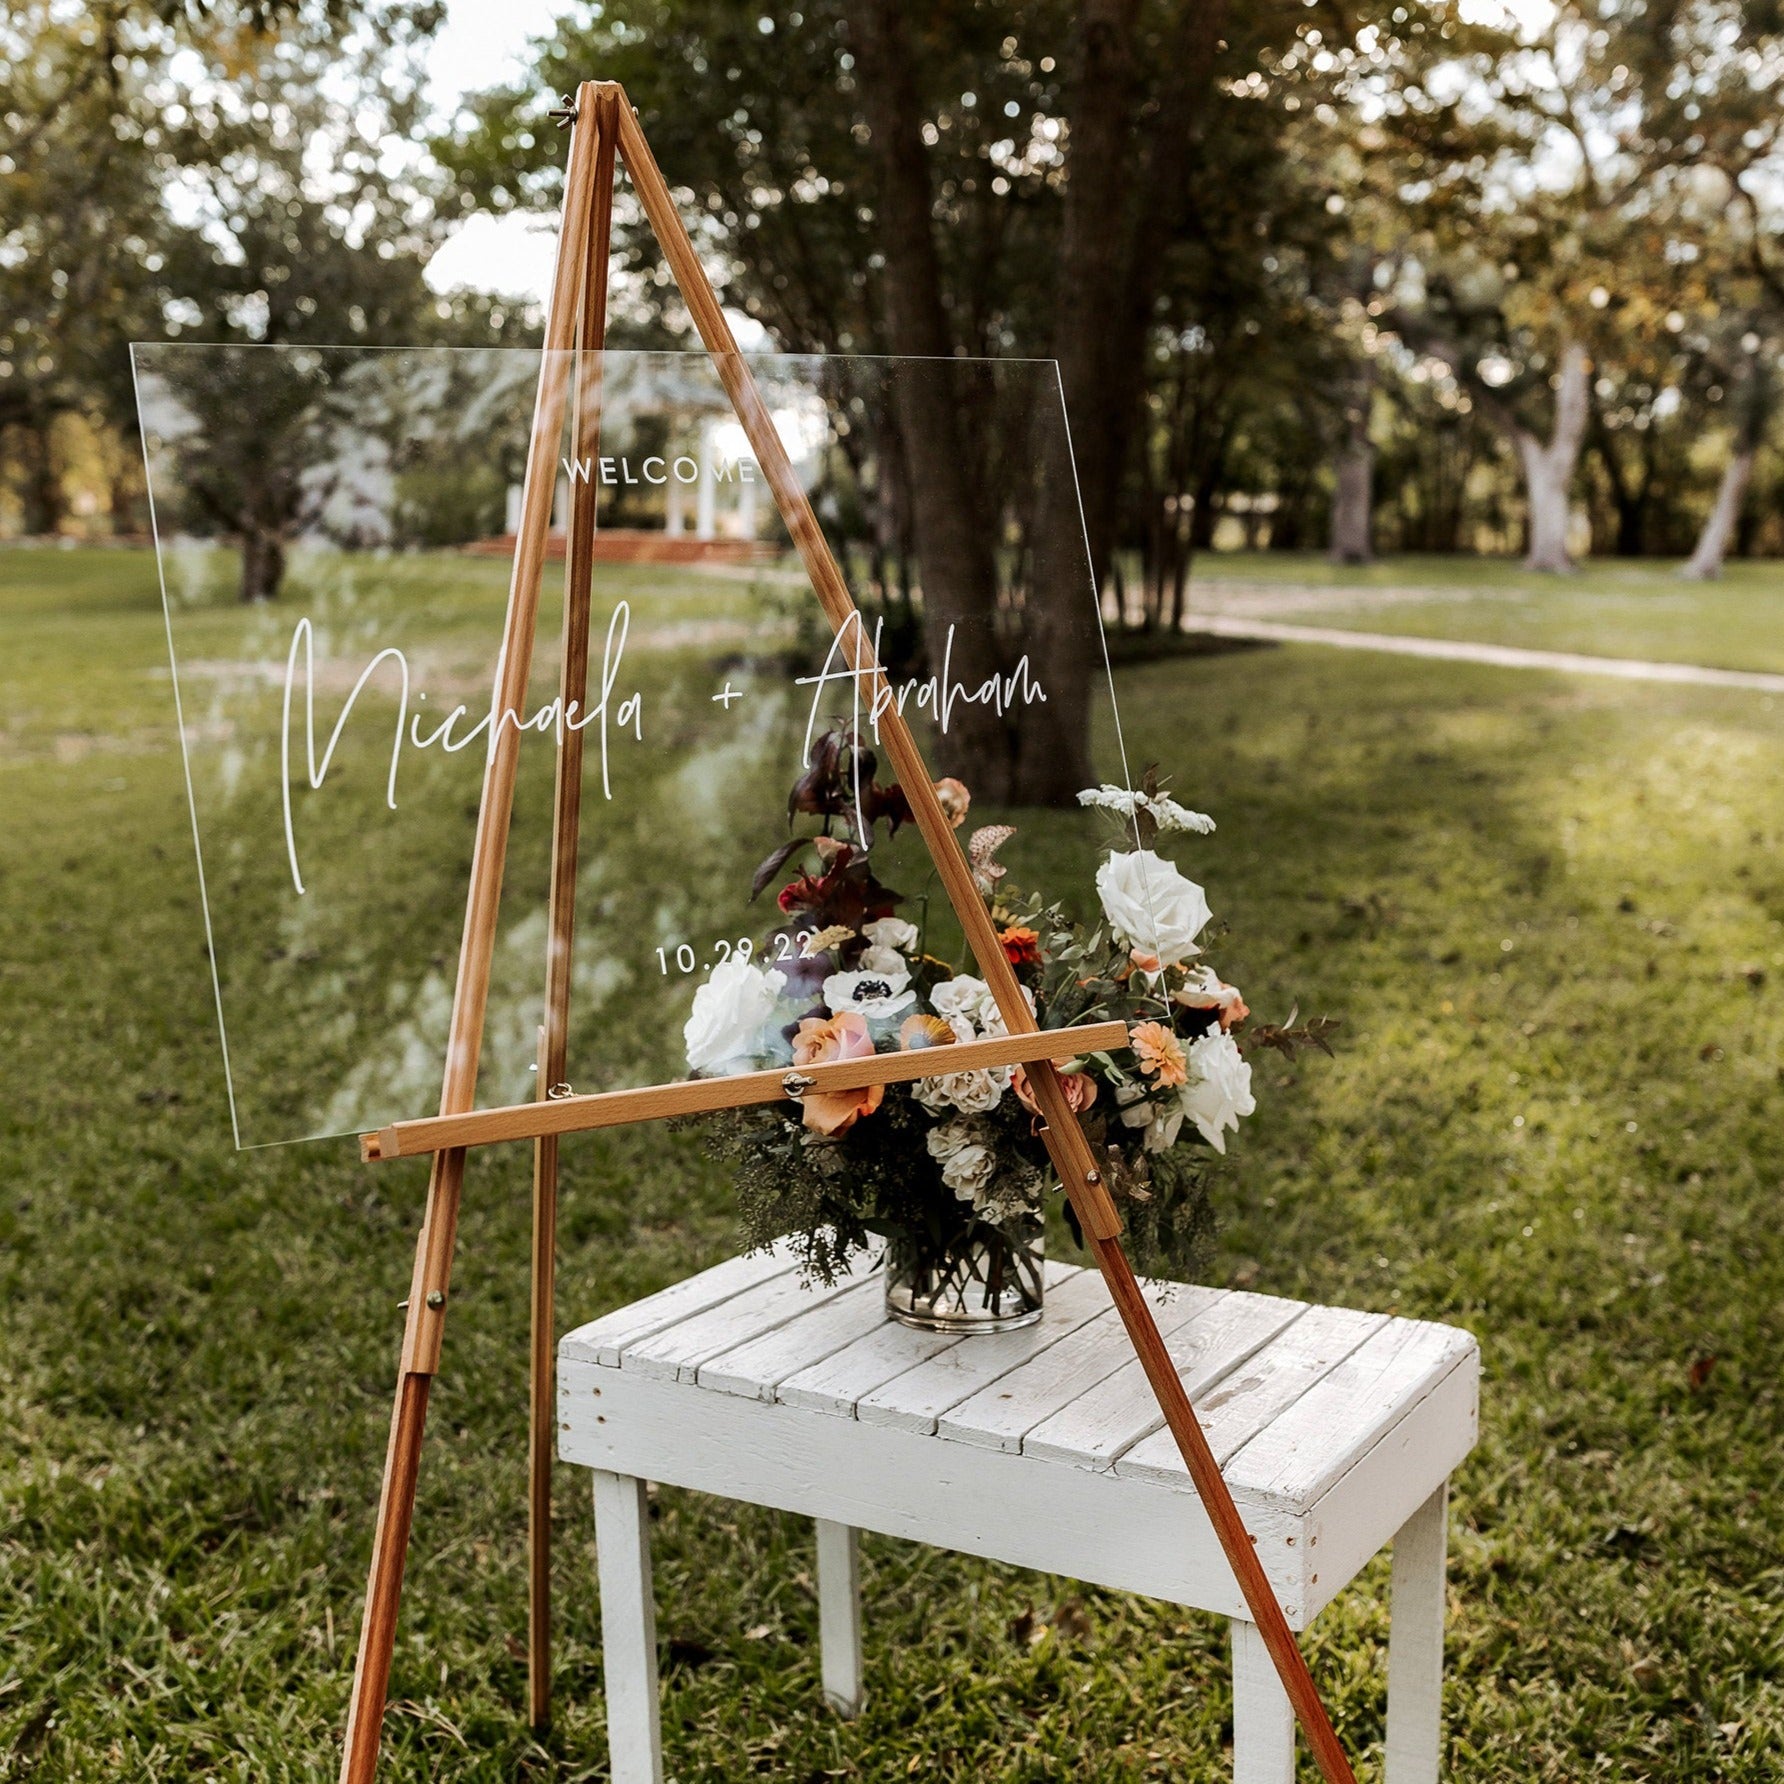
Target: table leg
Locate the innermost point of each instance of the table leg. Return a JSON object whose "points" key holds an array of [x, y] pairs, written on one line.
{"points": [[839, 1616], [628, 1629], [1415, 1645], [1263, 1718]]}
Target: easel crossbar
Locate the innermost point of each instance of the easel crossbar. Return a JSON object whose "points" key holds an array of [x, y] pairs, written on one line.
{"points": [[699, 1096]]}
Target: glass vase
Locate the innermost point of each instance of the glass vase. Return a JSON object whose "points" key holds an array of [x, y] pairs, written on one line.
{"points": [[988, 1280]]}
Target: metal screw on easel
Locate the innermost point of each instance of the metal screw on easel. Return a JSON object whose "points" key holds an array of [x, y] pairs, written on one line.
{"points": [[565, 113], [436, 1299]]}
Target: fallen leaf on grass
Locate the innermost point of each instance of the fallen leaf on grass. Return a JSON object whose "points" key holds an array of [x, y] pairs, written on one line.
{"points": [[1699, 1373]]}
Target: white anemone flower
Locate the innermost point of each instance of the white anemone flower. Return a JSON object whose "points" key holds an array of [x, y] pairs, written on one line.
{"points": [[875, 995]]}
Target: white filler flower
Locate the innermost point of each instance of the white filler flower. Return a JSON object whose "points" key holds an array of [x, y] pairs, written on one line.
{"points": [[729, 1012], [1151, 906], [1219, 1090], [1166, 813]]}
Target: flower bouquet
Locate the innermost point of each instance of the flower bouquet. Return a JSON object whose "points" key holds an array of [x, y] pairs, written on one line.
{"points": [[950, 1172]]}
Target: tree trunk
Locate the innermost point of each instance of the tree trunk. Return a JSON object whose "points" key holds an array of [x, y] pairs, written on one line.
{"points": [[957, 571], [1718, 529], [1549, 466], [263, 564], [44, 504], [1096, 340], [1353, 540]]}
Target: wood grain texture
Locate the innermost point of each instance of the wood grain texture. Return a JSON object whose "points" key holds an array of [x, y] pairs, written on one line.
{"points": [[591, 329], [696, 1096], [827, 1407], [606, 1340], [1096, 1428], [915, 1400]]}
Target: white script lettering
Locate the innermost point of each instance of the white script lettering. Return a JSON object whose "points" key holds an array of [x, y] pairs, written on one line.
{"points": [[552, 717]]}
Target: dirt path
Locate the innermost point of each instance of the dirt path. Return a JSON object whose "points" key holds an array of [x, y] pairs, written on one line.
{"points": [[1503, 656]]}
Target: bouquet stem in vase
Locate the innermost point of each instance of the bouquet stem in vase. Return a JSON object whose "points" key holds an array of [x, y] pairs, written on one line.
{"points": [[986, 1279]]}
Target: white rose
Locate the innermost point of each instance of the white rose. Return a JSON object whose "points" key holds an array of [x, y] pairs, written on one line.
{"points": [[892, 932], [1151, 906], [961, 995], [968, 1162], [1219, 1090], [973, 1093], [882, 960], [729, 1012], [990, 1017]]}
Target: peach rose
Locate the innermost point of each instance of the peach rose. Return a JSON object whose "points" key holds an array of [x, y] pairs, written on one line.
{"points": [[818, 1042], [1160, 1054], [1079, 1088]]}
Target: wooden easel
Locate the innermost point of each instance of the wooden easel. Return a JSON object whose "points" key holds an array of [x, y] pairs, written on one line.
{"points": [[603, 124]]}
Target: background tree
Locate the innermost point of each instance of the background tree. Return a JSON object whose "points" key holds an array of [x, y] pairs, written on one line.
{"points": [[931, 179]]}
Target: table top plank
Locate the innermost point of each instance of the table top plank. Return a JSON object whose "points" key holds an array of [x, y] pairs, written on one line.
{"points": [[675, 1353], [605, 1340], [1311, 1444], [1001, 1415], [915, 1400], [1269, 1381], [837, 1382], [757, 1367], [1102, 1424]]}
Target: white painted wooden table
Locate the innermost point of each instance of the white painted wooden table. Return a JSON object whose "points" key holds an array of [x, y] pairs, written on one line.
{"points": [[1336, 1431]]}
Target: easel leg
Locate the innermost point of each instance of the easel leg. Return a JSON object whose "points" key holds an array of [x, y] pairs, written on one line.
{"points": [[1263, 1718], [591, 328], [1066, 1141], [390, 1547], [628, 1629], [541, 1434]]}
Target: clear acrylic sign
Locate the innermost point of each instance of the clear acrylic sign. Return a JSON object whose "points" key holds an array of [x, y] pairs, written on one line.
{"points": [[334, 529]]}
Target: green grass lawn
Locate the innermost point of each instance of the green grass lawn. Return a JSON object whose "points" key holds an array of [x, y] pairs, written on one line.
{"points": [[1606, 608], [1551, 914]]}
